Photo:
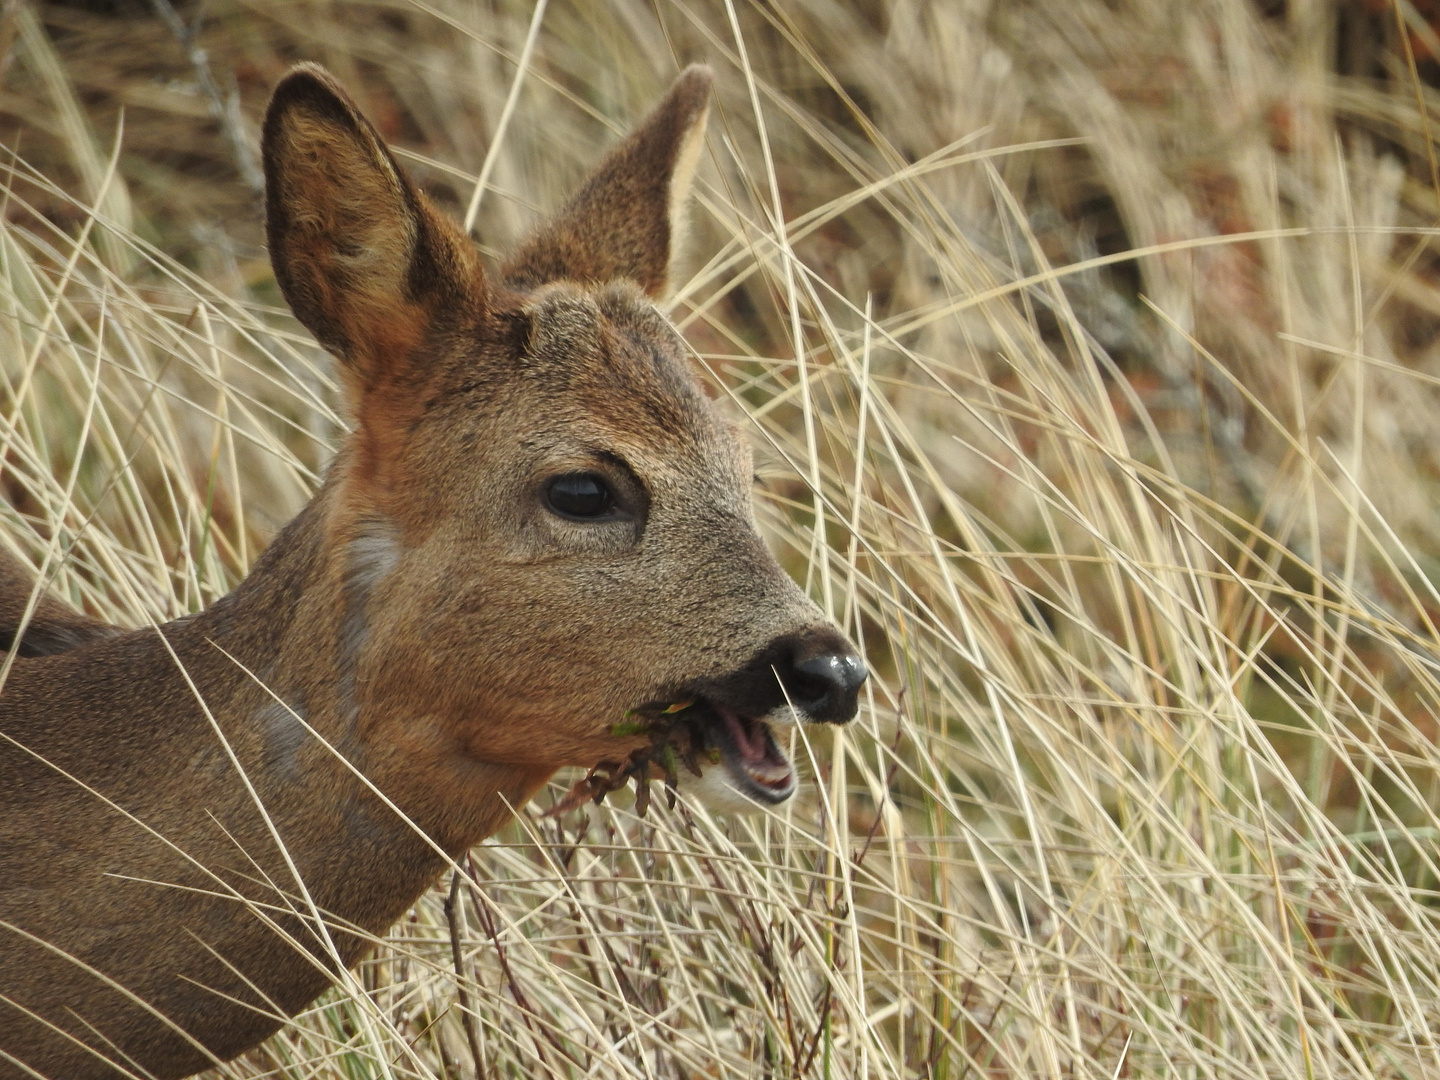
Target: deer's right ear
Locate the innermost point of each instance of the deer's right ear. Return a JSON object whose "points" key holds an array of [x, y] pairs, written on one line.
{"points": [[363, 259]]}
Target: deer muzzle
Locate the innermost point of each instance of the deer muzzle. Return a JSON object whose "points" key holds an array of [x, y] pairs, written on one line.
{"points": [[813, 676]]}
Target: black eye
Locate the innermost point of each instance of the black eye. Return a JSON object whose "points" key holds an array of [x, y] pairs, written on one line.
{"points": [[580, 495]]}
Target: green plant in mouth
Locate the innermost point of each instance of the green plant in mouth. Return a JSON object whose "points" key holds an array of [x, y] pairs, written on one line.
{"points": [[674, 741]]}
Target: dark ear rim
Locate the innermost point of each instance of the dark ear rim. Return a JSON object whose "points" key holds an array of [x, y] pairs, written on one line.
{"points": [[641, 172], [311, 84]]}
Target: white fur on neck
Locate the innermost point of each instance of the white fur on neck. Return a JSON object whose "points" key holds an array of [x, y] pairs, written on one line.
{"points": [[370, 556], [372, 553]]}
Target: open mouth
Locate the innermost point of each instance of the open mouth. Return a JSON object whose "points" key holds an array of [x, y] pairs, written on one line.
{"points": [[812, 674], [754, 762], [684, 736]]}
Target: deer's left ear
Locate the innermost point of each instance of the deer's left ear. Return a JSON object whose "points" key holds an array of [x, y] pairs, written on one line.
{"points": [[625, 222]]}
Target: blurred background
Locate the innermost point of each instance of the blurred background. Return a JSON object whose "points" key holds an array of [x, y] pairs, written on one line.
{"points": [[1091, 354]]}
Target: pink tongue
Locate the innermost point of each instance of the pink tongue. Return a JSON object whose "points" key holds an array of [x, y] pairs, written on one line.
{"points": [[752, 748]]}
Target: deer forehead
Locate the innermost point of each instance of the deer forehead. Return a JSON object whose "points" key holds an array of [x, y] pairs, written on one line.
{"points": [[619, 371], [613, 337]]}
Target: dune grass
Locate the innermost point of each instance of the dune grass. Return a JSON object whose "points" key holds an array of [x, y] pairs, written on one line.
{"points": [[1089, 352]]}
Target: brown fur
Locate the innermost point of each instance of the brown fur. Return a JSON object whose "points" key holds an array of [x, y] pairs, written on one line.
{"points": [[51, 628], [426, 618]]}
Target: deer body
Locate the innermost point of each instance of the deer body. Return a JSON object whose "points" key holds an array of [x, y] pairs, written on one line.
{"points": [[539, 523], [356, 857]]}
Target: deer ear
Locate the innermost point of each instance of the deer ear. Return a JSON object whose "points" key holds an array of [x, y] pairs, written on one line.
{"points": [[626, 221], [363, 259]]}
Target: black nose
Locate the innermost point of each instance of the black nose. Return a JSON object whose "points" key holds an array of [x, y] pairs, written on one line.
{"points": [[826, 686], [819, 675]]}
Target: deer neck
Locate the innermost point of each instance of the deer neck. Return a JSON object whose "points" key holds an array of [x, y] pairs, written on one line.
{"points": [[278, 662]]}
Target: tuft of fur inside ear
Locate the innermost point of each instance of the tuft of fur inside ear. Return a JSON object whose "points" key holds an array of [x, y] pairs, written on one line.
{"points": [[363, 259], [626, 220]]}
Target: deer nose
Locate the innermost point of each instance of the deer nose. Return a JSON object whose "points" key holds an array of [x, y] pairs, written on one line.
{"points": [[826, 687]]}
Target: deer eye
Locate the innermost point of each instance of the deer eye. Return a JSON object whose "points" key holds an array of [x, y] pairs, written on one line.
{"points": [[580, 496]]}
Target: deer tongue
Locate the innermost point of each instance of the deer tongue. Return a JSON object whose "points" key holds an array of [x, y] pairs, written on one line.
{"points": [[749, 737], [756, 761]]}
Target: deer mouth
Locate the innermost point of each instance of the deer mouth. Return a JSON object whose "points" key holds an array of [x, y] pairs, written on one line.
{"points": [[753, 761], [690, 736]]}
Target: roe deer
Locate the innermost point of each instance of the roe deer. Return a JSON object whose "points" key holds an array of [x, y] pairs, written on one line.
{"points": [[539, 522]]}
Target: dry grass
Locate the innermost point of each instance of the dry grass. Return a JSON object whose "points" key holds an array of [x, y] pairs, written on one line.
{"points": [[1094, 372]]}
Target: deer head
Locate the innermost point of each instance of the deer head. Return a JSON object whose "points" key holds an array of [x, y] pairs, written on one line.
{"points": [[544, 521]]}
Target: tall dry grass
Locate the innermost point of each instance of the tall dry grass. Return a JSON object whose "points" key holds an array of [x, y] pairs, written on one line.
{"points": [[1090, 351]]}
